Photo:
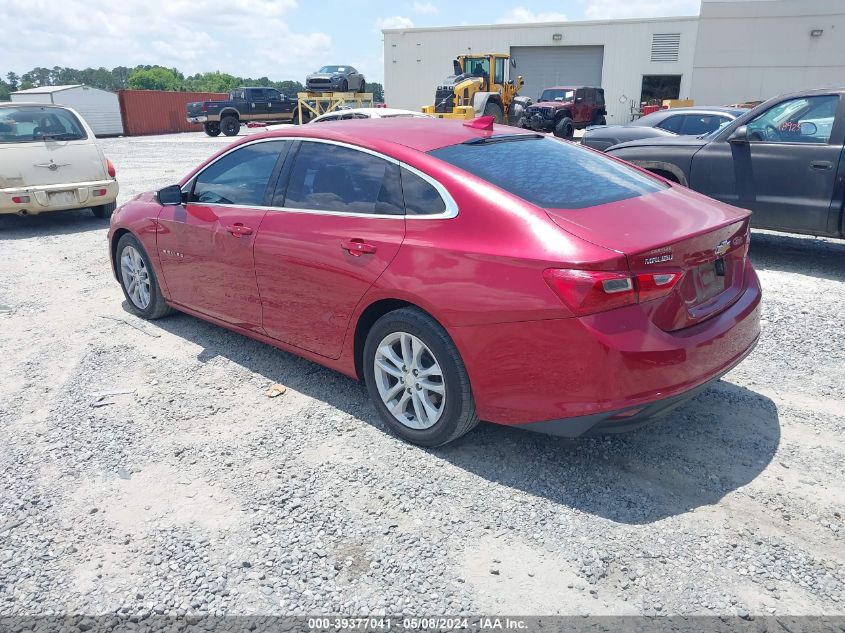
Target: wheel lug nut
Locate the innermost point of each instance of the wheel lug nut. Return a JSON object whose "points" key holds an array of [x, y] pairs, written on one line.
{"points": [[416, 373], [409, 390], [404, 368], [419, 387]]}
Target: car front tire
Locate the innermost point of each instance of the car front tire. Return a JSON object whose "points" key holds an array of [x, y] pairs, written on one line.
{"points": [[417, 379], [104, 211], [138, 280], [565, 129]]}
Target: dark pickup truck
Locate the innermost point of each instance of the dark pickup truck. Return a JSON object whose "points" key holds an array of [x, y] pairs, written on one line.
{"points": [[784, 161], [266, 105]]}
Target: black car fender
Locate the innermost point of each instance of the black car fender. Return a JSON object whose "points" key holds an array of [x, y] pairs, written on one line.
{"points": [[673, 163]]}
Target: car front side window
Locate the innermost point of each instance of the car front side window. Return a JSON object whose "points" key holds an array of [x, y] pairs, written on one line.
{"points": [[672, 124], [240, 177], [328, 177], [802, 120]]}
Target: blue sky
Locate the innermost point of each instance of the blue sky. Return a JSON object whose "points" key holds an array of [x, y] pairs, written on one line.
{"points": [[280, 39]]}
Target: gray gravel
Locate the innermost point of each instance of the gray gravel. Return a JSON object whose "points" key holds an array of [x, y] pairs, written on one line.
{"points": [[196, 494]]}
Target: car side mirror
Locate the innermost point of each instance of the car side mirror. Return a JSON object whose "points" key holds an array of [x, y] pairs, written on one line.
{"points": [[170, 196], [740, 135]]}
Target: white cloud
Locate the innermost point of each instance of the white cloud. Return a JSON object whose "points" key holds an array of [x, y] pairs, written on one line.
{"points": [[88, 33], [394, 22], [610, 9], [425, 8], [521, 15]]}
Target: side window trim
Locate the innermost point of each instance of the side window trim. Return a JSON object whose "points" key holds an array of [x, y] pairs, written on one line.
{"points": [[287, 168], [188, 187]]}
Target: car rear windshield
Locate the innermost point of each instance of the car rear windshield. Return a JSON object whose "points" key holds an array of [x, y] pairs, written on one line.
{"points": [[549, 173], [27, 124]]}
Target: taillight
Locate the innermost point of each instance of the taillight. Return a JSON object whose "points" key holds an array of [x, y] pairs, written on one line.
{"points": [[655, 285], [110, 168], [590, 291]]}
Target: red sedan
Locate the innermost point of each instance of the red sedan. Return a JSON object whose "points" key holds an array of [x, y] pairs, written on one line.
{"points": [[461, 272]]}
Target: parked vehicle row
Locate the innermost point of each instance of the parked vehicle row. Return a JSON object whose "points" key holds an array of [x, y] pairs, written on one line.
{"points": [[50, 161], [463, 271], [783, 160]]}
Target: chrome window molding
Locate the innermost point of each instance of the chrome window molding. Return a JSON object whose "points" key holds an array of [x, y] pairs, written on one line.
{"points": [[449, 202]]}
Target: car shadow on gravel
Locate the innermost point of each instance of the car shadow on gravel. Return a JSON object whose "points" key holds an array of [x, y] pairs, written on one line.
{"points": [[705, 449], [702, 451], [15, 227], [797, 254]]}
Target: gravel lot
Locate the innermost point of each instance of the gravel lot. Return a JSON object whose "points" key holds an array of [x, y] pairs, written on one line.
{"points": [[197, 493]]}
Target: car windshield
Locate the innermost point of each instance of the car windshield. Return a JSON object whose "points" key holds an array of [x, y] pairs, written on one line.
{"points": [[557, 94], [332, 69], [547, 172], [27, 124]]}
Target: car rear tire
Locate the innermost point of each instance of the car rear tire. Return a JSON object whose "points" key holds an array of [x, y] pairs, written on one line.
{"points": [[363, 87], [565, 129], [417, 379], [494, 110], [133, 265], [104, 211], [212, 129], [230, 125]]}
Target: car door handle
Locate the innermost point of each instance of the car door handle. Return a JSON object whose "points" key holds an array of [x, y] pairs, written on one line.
{"points": [[821, 165], [357, 247], [238, 229]]}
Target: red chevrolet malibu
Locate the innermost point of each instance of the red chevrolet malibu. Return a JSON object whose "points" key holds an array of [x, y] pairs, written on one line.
{"points": [[462, 272]]}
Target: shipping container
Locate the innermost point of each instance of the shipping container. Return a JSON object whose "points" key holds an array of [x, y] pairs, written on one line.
{"points": [[160, 112]]}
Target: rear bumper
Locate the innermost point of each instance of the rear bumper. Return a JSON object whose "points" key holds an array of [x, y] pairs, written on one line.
{"points": [[197, 119], [584, 371], [59, 197], [626, 419]]}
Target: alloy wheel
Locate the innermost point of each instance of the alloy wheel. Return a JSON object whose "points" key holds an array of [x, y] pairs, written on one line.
{"points": [[136, 277], [409, 380]]}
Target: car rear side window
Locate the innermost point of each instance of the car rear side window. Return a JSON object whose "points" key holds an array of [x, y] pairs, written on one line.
{"points": [[328, 177], [549, 173], [421, 198], [240, 177], [24, 124]]}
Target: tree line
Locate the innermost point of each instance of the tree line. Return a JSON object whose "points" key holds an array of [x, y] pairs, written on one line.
{"points": [[147, 78]]}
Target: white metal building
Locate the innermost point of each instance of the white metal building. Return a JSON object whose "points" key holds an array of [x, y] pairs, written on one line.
{"points": [[734, 51], [99, 108]]}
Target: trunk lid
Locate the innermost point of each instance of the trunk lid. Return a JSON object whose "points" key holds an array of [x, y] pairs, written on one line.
{"points": [[39, 163], [672, 231], [195, 108]]}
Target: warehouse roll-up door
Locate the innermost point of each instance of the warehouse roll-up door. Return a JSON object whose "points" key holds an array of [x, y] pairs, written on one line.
{"points": [[546, 66]]}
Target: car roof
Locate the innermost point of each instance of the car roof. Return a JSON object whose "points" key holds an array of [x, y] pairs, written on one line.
{"points": [[389, 135], [569, 87]]}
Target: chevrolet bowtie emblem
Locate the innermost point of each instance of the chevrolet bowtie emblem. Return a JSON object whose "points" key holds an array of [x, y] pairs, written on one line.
{"points": [[722, 248]]}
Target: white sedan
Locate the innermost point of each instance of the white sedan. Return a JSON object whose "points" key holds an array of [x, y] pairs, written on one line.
{"points": [[50, 161], [367, 113]]}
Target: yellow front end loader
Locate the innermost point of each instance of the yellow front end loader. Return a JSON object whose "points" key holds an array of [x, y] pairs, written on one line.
{"points": [[480, 86]]}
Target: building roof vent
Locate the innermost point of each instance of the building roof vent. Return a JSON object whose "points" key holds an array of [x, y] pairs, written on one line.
{"points": [[665, 47]]}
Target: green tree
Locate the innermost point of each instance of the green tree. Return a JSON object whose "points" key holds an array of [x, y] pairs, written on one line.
{"points": [[5, 91], [378, 91], [13, 81], [213, 82], [289, 88], [154, 78]]}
